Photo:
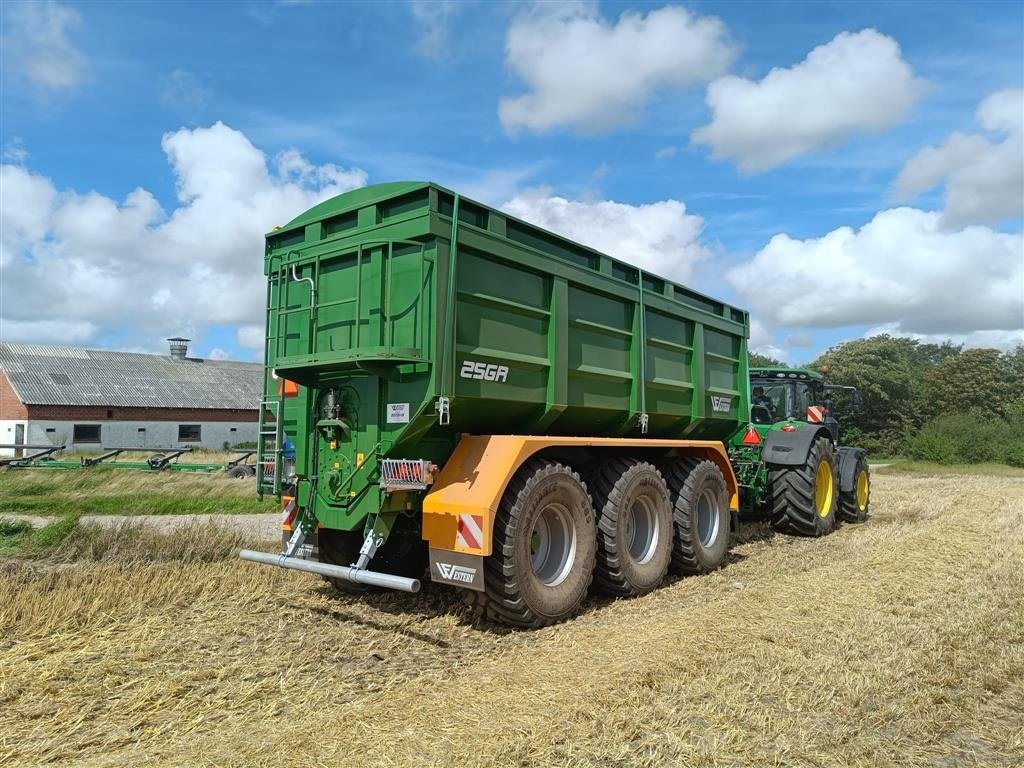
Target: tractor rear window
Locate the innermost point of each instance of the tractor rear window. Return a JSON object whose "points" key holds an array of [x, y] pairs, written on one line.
{"points": [[768, 401]]}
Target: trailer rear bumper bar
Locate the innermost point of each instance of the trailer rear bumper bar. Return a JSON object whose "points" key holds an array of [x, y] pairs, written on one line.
{"points": [[347, 573]]}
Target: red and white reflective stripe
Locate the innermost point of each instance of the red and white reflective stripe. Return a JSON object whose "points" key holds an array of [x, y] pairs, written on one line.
{"points": [[815, 414], [471, 532], [288, 513]]}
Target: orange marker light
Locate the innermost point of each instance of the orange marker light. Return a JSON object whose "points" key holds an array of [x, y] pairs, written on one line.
{"points": [[287, 388]]}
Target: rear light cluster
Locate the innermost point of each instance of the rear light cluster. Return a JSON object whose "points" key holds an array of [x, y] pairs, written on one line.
{"points": [[406, 474]]}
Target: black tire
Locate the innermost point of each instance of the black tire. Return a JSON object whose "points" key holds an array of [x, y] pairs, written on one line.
{"points": [[700, 514], [634, 546], [238, 472], [517, 593], [854, 505], [404, 554], [798, 505]]}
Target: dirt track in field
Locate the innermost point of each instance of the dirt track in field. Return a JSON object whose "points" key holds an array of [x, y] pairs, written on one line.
{"points": [[898, 642], [263, 526]]}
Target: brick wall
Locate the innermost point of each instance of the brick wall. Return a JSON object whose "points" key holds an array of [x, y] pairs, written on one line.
{"points": [[102, 413], [10, 406]]}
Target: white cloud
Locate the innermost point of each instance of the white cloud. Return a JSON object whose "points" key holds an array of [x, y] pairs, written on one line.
{"points": [[15, 152], [251, 336], [658, 237], [901, 268], [39, 46], [984, 179], [219, 354], [94, 263], [47, 331], [857, 83], [27, 204], [185, 91], [585, 73], [665, 152], [989, 339], [761, 341], [433, 19], [799, 340]]}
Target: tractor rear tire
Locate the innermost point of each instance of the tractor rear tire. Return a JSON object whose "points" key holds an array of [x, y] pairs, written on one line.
{"points": [[545, 542], [700, 514], [804, 499], [634, 526], [854, 505]]}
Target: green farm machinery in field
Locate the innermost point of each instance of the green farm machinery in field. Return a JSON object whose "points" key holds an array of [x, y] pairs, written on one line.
{"points": [[451, 388], [154, 459], [789, 460]]}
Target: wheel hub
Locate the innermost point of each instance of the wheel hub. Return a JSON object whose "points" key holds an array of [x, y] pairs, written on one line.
{"points": [[707, 518], [642, 530], [552, 545], [823, 489], [862, 490]]}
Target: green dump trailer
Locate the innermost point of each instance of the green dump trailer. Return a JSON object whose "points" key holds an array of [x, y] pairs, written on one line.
{"points": [[464, 391]]}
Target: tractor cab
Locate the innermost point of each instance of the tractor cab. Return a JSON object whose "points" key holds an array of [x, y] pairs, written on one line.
{"points": [[782, 394]]}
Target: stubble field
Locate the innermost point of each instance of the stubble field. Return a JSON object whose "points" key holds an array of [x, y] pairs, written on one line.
{"points": [[896, 642]]}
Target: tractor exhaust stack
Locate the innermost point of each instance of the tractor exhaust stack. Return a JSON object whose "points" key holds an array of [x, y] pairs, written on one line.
{"points": [[347, 573]]}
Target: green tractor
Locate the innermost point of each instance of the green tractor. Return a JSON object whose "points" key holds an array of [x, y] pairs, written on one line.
{"points": [[789, 462]]}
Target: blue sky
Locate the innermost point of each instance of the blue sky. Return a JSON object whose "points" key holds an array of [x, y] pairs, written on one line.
{"points": [[373, 92]]}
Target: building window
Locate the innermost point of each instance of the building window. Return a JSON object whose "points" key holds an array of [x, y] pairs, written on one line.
{"points": [[189, 433], [86, 433], [49, 430]]}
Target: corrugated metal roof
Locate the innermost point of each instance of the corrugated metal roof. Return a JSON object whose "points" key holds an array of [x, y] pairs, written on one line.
{"points": [[44, 375]]}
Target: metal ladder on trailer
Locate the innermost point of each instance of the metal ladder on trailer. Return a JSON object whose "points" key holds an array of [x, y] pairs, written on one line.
{"points": [[269, 447]]}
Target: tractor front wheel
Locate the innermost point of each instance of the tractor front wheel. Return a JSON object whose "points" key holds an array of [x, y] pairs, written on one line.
{"points": [[853, 504], [804, 498]]}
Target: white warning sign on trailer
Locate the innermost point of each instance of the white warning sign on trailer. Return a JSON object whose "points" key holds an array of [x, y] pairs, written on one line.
{"points": [[398, 413]]}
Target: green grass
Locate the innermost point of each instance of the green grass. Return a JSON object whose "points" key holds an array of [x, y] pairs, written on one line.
{"points": [[111, 491], [18, 537], [916, 467], [69, 540], [13, 535]]}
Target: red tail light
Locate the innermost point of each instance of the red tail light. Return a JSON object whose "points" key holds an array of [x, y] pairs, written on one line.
{"points": [[789, 428], [752, 437]]}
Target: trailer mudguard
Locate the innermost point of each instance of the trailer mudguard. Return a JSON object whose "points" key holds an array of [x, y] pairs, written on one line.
{"points": [[790, 449], [848, 456], [458, 512]]}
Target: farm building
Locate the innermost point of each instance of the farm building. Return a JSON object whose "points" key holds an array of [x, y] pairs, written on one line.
{"points": [[87, 399]]}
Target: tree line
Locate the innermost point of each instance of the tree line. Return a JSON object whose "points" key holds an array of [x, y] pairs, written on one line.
{"points": [[937, 402]]}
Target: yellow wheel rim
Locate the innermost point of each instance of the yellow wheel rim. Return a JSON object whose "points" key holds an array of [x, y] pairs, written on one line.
{"points": [[862, 490], [823, 489]]}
